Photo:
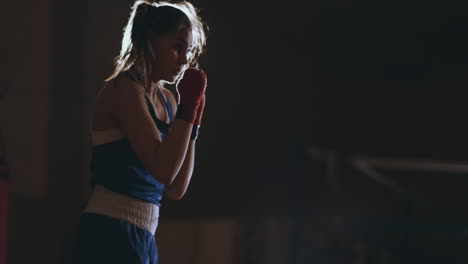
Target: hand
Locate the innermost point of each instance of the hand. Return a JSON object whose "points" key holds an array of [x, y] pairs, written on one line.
{"points": [[200, 111], [191, 89]]}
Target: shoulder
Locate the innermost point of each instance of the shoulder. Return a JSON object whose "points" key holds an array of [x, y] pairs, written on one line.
{"points": [[129, 97], [127, 89], [115, 93]]}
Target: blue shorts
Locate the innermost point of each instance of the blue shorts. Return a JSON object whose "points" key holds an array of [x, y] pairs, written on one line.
{"points": [[103, 239]]}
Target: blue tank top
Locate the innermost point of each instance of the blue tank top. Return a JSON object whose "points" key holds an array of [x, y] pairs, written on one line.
{"points": [[116, 166]]}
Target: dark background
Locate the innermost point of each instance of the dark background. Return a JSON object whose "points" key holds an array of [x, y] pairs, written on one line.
{"points": [[379, 78]]}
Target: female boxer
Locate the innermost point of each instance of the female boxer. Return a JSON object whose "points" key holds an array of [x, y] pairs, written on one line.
{"points": [[143, 138]]}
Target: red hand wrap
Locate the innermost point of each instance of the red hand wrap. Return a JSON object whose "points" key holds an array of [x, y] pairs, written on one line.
{"points": [[191, 89], [201, 107]]}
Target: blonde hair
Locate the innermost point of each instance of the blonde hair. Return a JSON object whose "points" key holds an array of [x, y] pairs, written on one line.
{"points": [[161, 18]]}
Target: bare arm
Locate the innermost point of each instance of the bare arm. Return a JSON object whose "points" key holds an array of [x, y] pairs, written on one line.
{"points": [[162, 159], [179, 186]]}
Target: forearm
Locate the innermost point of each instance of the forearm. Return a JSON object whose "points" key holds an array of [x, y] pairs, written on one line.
{"points": [[179, 186], [172, 152], [174, 148]]}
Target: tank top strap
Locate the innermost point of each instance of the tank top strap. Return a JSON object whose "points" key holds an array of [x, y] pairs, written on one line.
{"points": [[168, 106], [150, 108]]}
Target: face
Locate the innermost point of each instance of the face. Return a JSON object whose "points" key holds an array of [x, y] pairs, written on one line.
{"points": [[171, 54]]}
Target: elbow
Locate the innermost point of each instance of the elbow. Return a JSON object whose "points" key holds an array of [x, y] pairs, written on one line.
{"points": [[176, 198], [171, 194], [165, 181], [164, 177]]}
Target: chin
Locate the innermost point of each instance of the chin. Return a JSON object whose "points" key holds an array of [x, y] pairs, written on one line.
{"points": [[171, 80]]}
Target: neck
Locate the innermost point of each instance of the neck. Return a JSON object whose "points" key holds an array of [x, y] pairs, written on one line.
{"points": [[155, 86], [151, 85]]}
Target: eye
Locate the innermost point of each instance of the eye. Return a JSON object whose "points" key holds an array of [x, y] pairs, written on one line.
{"points": [[179, 47]]}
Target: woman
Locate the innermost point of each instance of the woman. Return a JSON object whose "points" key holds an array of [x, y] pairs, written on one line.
{"points": [[143, 141]]}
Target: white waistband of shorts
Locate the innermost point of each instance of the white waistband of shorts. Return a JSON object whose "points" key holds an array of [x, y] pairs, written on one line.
{"points": [[143, 214]]}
